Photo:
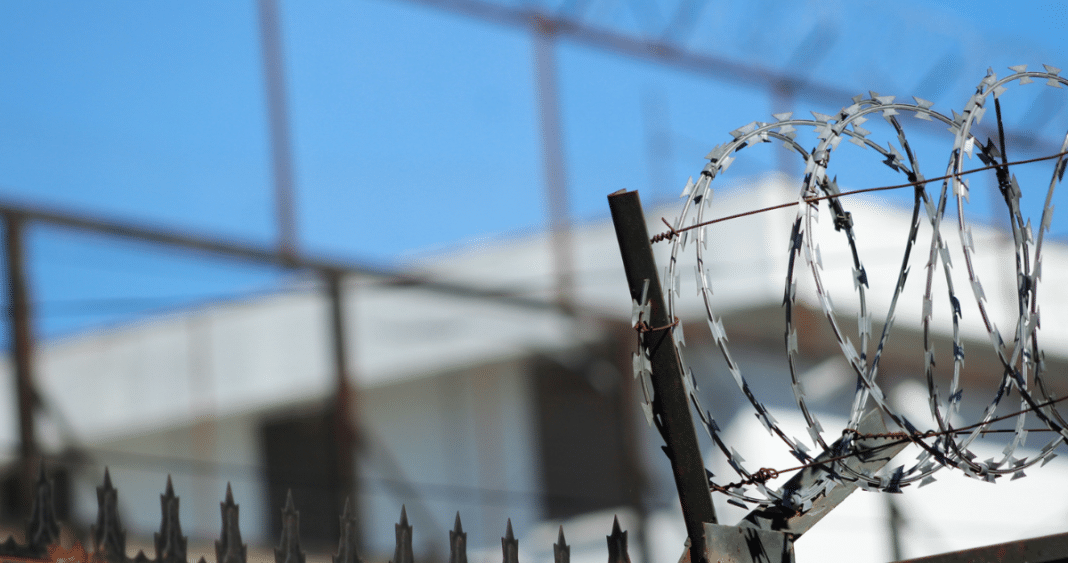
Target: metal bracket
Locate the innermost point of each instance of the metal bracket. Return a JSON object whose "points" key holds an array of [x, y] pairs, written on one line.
{"points": [[879, 452]]}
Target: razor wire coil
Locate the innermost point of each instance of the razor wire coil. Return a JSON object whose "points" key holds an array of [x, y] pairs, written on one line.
{"points": [[1021, 358]]}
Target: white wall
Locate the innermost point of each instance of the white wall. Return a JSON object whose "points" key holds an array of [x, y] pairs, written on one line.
{"points": [[467, 439]]}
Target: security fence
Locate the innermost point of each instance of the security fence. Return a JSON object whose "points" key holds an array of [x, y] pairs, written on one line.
{"points": [[108, 537]]}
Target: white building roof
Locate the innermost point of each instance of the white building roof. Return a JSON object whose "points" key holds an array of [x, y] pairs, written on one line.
{"points": [[747, 263]]}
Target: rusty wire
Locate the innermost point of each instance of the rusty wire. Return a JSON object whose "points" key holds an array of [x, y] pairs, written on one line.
{"points": [[765, 474]]}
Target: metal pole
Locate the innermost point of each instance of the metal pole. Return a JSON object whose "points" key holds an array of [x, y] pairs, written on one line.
{"points": [[22, 354], [671, 405], [656, 121], [278, 115], [782, 101], [553, 156], [344, 431]]}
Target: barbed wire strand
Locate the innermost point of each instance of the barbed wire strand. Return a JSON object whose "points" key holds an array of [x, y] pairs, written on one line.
{"points": [[673, 232]]}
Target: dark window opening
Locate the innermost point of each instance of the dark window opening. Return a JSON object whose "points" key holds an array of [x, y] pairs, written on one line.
{"points": [[301, 453], [581, 439]]}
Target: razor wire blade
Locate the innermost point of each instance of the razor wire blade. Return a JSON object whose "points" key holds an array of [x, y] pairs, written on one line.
{"points": [[1020, 357]]}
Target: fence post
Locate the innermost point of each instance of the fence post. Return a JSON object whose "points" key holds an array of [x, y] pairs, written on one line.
{"points": [[344, 430], [671, 405], [19, 317]]}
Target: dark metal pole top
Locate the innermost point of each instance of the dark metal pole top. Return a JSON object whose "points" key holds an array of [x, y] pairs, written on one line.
{"points": [[671, 405]]}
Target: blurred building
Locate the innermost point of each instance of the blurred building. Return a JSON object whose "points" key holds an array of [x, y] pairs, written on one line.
{"points": [[492, 407]]}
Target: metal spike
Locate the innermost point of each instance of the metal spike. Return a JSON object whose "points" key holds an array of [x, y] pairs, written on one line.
{"points": [[724, 163], [229, 549], [744, 130], [457, 542], [170, 543], [346, 546], [1018, 68], [1052, 69], [11, 548], [403, 551], [109, 539], [925, 104], [718, 333], [561, 551], [647, 408], [42, 530], [510, 545], [288, 550], [688, 188], [978, 288], [617, 544], [716, 153]]}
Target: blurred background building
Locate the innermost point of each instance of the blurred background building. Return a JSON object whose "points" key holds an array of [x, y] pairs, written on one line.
{"points": [[360, 250]]}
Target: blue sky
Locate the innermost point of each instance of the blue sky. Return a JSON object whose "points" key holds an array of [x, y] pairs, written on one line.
{"points": [[413, 128]]}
